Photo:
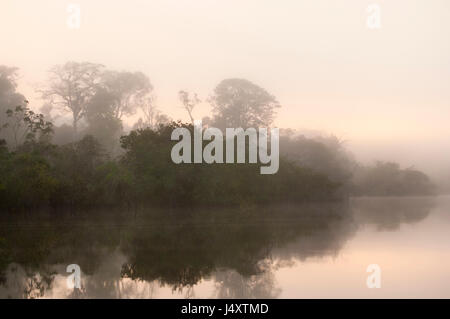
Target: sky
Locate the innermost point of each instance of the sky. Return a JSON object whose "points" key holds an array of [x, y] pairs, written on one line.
{"points": [[385, 91]]}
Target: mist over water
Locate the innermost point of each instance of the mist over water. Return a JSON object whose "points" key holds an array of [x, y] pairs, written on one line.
{"points": [[308, 251], [92, 94]]}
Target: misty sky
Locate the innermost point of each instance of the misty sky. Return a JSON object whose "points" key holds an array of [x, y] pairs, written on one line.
{"points": [[386, 91]]}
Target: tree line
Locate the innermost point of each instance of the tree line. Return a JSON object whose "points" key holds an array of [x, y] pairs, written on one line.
{"points": [[94, 161]]}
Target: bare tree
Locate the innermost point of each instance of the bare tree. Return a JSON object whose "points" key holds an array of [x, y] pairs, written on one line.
{"points": [[152, 116], [149, 110], [71, 87], [189, 102]]}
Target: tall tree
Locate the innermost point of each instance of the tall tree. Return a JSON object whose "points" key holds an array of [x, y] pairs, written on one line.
{"points": [[26, 126], [9, 98], [152, 117], [71, 87], [240, 103], [189, 102], [127, 89]]}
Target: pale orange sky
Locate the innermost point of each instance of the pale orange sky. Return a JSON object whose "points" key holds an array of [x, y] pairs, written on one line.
{"points": [[386, 87]]}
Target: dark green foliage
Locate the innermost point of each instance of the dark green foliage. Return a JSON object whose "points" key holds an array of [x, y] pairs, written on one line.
{"points": [[75, 166], [80, 175], [26, 181], [159, 180]]}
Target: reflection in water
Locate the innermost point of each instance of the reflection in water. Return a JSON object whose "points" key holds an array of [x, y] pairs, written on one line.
{"points": [[228, 255], [230, 284], [389, 213]]}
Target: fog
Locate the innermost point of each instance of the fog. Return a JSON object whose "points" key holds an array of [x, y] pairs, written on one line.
{"points": [[383, 91], [125, 129]]}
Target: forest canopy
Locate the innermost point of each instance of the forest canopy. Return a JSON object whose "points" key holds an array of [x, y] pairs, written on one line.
{"points": [[93, 161]]}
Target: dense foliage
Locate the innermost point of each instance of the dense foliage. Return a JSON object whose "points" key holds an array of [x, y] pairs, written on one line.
{"points": [[80, 175], [95, 163]]}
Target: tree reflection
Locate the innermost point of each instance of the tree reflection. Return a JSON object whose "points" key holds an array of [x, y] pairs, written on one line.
{"points": [[238, 251], [389, 213]]}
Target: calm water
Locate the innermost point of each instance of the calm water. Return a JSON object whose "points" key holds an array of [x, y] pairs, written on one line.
{"points": [[278, 252]]}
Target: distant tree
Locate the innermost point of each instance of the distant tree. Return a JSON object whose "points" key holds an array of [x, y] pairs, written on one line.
{"points": [[46, 109], [189, 102], [8, 77], [9, 98], [388, 179], [25, 125], [324, 154], [240, 103], [101, 120], [152, 117], [128, 90], [71, 86]]}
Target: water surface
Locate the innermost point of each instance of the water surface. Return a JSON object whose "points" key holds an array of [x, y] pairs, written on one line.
{"points": [[303, 251]]}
